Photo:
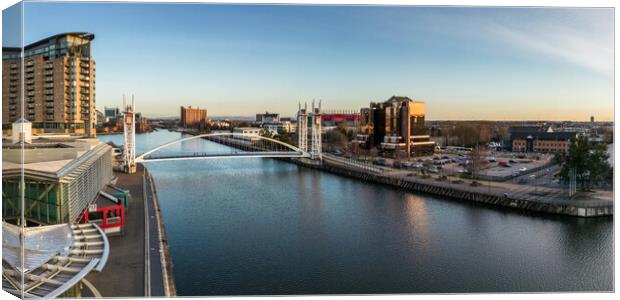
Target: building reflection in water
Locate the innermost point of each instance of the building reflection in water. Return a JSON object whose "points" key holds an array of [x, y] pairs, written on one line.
{"points": [[417, 216]]}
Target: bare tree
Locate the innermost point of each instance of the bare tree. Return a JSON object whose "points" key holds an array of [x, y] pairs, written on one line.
{"points": [[476, 162]]}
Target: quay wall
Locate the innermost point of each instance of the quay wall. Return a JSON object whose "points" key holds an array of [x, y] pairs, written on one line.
{"points": [[166, 259], [459, 194]]}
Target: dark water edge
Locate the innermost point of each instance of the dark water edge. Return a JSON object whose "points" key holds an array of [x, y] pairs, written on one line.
{"points": [[263, 226]]}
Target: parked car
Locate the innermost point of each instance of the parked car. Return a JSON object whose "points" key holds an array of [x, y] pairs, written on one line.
{"points": [[523, 169], [433, 170]]}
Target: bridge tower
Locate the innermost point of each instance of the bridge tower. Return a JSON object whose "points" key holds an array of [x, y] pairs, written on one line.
{"points": [[316, 151], [129, 131], [302, 128]]}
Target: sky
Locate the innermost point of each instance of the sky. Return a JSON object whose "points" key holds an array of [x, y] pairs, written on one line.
{"points": [[466, 63]]}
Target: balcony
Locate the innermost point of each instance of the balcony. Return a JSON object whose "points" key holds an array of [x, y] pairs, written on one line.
{"points": [[49, 72], [49, 79], [49, 66], [49, 92], [49, 104], [29, 63], [30, 94], [31, 105], [49, 117], [84, 65]]}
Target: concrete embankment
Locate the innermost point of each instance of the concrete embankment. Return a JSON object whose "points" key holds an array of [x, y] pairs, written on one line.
{"points": [[465, 193], [162, 240]]}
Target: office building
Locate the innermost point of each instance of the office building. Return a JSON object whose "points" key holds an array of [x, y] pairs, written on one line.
{"points": [[396, 125], [111, 113], [193, 117], [540, 139], [63, 175], [55, 83]]}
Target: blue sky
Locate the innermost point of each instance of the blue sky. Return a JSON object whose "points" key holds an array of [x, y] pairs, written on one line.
{"points": [[466, 63]]}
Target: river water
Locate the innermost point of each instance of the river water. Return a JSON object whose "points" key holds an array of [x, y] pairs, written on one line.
{"points": [[262, 226]]}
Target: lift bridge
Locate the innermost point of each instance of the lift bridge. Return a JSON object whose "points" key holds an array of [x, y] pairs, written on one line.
{"points": [[240, 145]]}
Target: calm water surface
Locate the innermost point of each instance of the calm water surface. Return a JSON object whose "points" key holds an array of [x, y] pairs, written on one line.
{"points": [[261, 226]]}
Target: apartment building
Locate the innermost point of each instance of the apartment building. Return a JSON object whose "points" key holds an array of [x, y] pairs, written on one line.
{"points": [[193, 117], [52, 85]]}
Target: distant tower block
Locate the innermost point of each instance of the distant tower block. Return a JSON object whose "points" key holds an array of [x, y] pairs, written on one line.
{"points": [[129, 130], [592, 119]]}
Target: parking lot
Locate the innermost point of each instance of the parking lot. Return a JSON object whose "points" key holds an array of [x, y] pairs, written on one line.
{"points": [[497, 166]]}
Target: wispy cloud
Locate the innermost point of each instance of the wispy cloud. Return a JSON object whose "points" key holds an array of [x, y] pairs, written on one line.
{"points": [[586, 41]]}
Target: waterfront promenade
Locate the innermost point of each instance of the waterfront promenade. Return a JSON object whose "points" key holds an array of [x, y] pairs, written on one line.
{"points": [[131, 271]]}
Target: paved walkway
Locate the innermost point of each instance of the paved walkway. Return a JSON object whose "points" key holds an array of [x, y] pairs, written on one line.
{"points": [[124, 273]]}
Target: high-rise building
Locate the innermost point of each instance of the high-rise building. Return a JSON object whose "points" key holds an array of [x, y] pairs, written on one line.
{"points": [[193, 117], [396, 125], [55, 83]]}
